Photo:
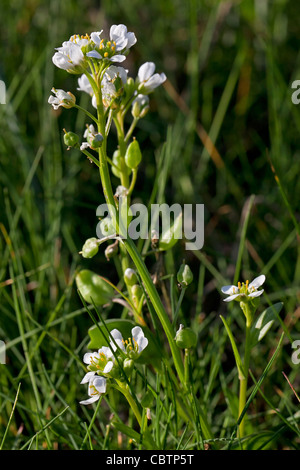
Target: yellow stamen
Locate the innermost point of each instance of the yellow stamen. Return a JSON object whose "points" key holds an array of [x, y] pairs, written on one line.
{"points": [[105, 54], [239, 285]]}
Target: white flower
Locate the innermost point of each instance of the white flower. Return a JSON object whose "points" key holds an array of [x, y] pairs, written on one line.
{"points": [[122, 38], [244, 291], [97, 386], [132, 348], [69, 57], [148, 80], [62, 98], [120, 41], [100, 362]]}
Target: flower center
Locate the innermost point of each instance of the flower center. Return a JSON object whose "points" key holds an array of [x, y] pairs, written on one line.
{"points": [[107, 48]]}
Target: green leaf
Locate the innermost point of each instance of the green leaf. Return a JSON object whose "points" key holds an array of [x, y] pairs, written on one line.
{"points": [[146, 438], [93, 288], [264, 322], [98, 334], [238, 360]]}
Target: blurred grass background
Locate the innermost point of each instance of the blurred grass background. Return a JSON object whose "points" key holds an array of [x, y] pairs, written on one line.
{"points": [[227, 118]]}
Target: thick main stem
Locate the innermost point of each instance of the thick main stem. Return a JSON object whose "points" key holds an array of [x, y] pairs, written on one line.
{"points": [[244, 380]]}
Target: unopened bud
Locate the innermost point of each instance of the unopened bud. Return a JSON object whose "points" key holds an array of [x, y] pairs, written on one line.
{"points": [[140, 106], [128, 366], [184, 275], [130, 277]]}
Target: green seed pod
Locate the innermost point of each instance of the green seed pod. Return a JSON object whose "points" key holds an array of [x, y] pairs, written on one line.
{"points": [[71, 139], [95, 141], [90, 248], [116, 168], [130, 277], [93, 288], [185, 275], [133, 155], [185, 338]]}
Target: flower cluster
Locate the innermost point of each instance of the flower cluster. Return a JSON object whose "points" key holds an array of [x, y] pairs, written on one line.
{"points": [[108, 361], [93, 56]]}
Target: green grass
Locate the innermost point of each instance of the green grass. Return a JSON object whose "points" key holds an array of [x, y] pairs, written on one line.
{"points": [[230, 67]]}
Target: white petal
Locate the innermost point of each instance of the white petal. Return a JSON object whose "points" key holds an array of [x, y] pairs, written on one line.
{"points": [[257, 293], [231, 297], [106, 351], [118, 58], [229, 290], [94, 54], [87, 377], [100, 384], [108, 367], [257, 282], [90, 400], [146, 71]]}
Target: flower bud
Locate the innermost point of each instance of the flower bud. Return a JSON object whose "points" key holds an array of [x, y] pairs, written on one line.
{"points": [[71, 139], [184, 275], [136, 292], [90, 248], [128, 366], [133, 155], [140, 106], [130, 277], [185, 338]]}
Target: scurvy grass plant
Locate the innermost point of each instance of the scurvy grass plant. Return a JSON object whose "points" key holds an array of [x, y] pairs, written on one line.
{"points": [[112, 361]]}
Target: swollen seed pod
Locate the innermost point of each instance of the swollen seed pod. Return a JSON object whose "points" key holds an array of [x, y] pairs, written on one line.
{"points": [[133, 155], [90, 248], [71, 139], [116, 167], [95, 141], [185, 338]]}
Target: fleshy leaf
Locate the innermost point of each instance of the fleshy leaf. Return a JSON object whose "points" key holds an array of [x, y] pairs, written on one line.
{"points": [[264, 323]]}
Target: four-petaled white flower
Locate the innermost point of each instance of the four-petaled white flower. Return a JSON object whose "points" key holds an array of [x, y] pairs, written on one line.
{"points": [[148, 80], [131, 348], [244, 291], [66, 99], [96, 388], [120, 41], [69, 57]]}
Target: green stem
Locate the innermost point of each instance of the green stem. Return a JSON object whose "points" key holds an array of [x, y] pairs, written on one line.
{"points": [[244, 380], [131, 401]]}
